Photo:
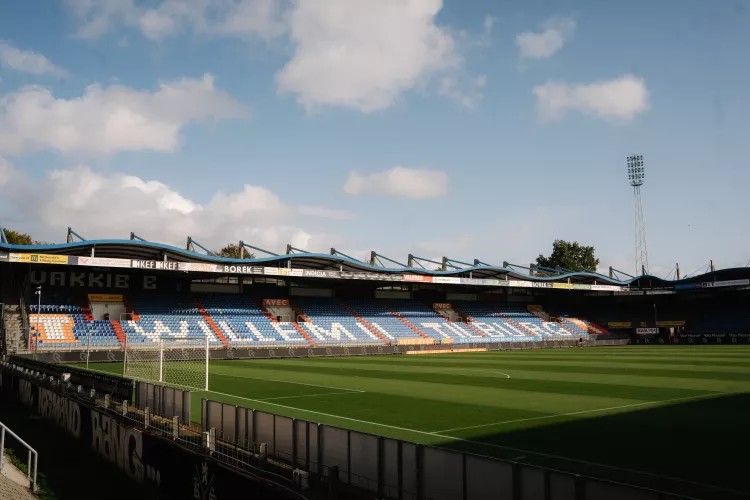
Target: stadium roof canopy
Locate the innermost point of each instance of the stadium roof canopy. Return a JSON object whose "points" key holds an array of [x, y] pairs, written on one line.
{"points": [[142, 250]]}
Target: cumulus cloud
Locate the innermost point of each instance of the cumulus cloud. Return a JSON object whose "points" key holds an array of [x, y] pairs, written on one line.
{"points": [[27, 61], [622, 98], [543, 44], [109, 120], [160, 20], [357, 54], [108, 205], [324, 212], [362, 54], [399, 182]]}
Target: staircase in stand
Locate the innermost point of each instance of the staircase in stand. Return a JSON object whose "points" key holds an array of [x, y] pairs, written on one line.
{"points": [[303, 333], [119, 333], [130, 310], [367, 325], [518, 325], [262, 307], [87, 311], [468, 320], [211, 323], [410, 325]]}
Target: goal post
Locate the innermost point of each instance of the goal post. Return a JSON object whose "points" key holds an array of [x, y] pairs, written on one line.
{"points": [[176, 361]]}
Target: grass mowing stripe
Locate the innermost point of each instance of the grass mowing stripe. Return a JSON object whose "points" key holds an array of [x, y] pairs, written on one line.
{"points": [[620, 391], [600, 368], [313, 395], [509, 361], [282, 381], [598, 410], [395, 411]]}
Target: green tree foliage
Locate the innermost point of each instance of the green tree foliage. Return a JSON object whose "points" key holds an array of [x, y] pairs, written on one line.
{"points": [[571, 256], [233, 251], [17, 238]]}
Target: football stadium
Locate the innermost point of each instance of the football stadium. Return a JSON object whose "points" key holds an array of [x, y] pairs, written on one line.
{"points": [[319, 374]]}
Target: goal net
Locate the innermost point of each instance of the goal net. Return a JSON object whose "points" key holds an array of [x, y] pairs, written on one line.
{"points": [[177, 361]]}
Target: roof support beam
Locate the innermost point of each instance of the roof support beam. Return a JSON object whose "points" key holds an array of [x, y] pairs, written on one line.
{"points": [[452, 263], [244, 245], [478, 262], [374, 256], [342, 254], [3, 239], [613, 274], [292, 250], [72, 233], [191, 244], [418, 260], [134, 236]]}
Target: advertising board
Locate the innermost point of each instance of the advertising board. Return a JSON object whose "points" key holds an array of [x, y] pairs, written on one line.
{"points": [[103, 262], [38, 258]]}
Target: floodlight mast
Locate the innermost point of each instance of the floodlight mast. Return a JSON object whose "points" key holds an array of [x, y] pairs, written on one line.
{"points": [[636, 175]]}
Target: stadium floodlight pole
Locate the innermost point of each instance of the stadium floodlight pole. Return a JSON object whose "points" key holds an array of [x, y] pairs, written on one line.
{"points": [[636, 175]]}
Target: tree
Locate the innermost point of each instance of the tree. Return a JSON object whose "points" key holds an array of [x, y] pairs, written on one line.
{"points": [[569, 255], [233, 251], [16, 238]]}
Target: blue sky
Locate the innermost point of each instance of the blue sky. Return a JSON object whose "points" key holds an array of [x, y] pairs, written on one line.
{"points": [[468, 129]]}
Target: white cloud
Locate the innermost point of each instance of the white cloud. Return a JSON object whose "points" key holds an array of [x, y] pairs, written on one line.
{"points": [[168, 18], [324, 212], [357, 54], [362, 54], [621, 98], [400, 182], [111, 205], [555, 32], [27, 61], [109, 120]]}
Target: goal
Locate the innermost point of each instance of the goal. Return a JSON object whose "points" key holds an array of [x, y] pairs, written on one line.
{"points": [[177, 361]]}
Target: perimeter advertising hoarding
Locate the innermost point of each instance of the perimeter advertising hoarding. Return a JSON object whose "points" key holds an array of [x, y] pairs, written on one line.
{"points": [[38, 258], [646, 331], [620, 324], [713, 284], [246, 269], [103, 262], [3, 257]]}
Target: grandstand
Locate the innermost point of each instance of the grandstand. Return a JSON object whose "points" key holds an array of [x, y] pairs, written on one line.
{"points": [[240, 320]]}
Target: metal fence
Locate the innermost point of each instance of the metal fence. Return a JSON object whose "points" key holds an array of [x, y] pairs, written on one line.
{"points": [[398, 469]]}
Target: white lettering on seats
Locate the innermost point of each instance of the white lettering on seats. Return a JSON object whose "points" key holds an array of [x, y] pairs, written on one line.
{"points": [[335, 332], [383, 331]]}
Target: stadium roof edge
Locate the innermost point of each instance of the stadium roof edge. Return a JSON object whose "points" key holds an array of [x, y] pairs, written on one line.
{"points": [[140, 250]]}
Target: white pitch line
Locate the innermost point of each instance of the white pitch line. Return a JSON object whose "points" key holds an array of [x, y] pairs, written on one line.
{"points": [[312, 395], [570, 413], [490, 445], [287, 382]]}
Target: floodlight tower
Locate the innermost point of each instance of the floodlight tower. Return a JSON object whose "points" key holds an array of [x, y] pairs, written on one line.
{"points": [[636, 174]]}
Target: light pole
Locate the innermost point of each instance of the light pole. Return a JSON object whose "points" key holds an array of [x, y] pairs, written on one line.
{"points": [[636, 175], [38, 313]]}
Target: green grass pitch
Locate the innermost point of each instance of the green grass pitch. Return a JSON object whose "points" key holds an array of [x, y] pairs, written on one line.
{"points": [[634, 414]]}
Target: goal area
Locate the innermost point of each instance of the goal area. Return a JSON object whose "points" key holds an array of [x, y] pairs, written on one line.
{"points": [[176, 361]]}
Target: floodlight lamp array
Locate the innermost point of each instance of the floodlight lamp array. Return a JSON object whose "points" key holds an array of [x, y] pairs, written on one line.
{"points": [[636, 171]]}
